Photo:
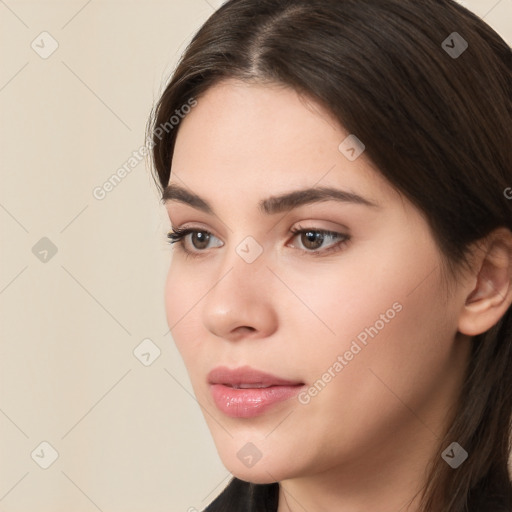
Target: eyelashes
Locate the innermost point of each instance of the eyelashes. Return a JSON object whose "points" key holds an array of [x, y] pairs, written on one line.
{"points": [[320, 235], [180, 236]]}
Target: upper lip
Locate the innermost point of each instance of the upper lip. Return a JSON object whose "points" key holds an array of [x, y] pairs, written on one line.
{"points": [[245, 375]]}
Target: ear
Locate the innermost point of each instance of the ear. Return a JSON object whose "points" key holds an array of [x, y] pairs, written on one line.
{"points": [[489, 289]]}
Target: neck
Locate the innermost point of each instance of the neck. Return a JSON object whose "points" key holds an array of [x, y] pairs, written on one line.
{"points": [[388, 473], [388, 480]]}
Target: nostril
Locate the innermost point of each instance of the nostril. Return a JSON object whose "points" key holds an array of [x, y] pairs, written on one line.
{"points": [[246, 328]]}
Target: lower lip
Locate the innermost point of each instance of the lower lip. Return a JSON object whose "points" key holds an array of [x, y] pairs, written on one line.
{"points": [[248, 403]]}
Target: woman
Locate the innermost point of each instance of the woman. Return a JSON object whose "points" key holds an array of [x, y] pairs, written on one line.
{"points": [[336, 176]]}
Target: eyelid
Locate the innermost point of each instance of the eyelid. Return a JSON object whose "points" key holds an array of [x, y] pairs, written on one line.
{"points": [[343, 238], [179, 234]]}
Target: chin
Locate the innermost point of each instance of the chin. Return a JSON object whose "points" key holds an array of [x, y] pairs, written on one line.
{"points": [[256, 477], [264, 471]]}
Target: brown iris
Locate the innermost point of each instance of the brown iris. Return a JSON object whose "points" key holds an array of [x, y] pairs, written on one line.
{"points": [[201, 238], [312, 239]]}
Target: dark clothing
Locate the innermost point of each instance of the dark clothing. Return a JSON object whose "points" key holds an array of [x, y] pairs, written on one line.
{"points": [[240, 496]]}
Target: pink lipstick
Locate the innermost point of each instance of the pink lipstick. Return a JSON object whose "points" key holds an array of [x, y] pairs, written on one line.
{"points": [[245, 392]]}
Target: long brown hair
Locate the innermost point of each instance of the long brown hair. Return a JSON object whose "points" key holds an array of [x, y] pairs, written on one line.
{"points": [[434, 111]]}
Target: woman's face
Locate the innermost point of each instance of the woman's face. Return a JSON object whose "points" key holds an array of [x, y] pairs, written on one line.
{"points": [[354, 325]]}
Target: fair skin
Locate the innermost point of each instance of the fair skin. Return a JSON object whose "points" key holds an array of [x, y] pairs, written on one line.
{"points": [[364, 441]]}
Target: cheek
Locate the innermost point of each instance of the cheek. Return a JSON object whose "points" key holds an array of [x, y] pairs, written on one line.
{"points": [[183, 292], [384, 313], [344, 300], [365, 292], [172, 305], [392, 346]]}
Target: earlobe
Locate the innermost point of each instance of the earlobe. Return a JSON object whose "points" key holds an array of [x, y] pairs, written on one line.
{"points": [[491, 296]]}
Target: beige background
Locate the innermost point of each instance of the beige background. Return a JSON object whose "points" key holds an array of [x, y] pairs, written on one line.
{"points": [[129, 435]]}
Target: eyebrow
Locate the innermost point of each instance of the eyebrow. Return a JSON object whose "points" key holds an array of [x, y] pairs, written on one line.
{"points": [[273, 204]]}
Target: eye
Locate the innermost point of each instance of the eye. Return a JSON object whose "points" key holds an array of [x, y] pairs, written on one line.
{"points": [[200, 239], [315, 241]]}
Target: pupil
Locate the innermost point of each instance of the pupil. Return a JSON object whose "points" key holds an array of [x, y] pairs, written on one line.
{"points": [[202, 240], [313, 240]]}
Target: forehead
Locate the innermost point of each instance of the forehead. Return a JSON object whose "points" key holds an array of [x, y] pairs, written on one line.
{"points": [[257, 140], [248, 114]]}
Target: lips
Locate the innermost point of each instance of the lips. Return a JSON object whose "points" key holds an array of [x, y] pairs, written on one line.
{"points": [[247, 377], [245, 392]]}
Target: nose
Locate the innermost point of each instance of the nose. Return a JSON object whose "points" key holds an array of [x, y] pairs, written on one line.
{"points": [[241, 303]]}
